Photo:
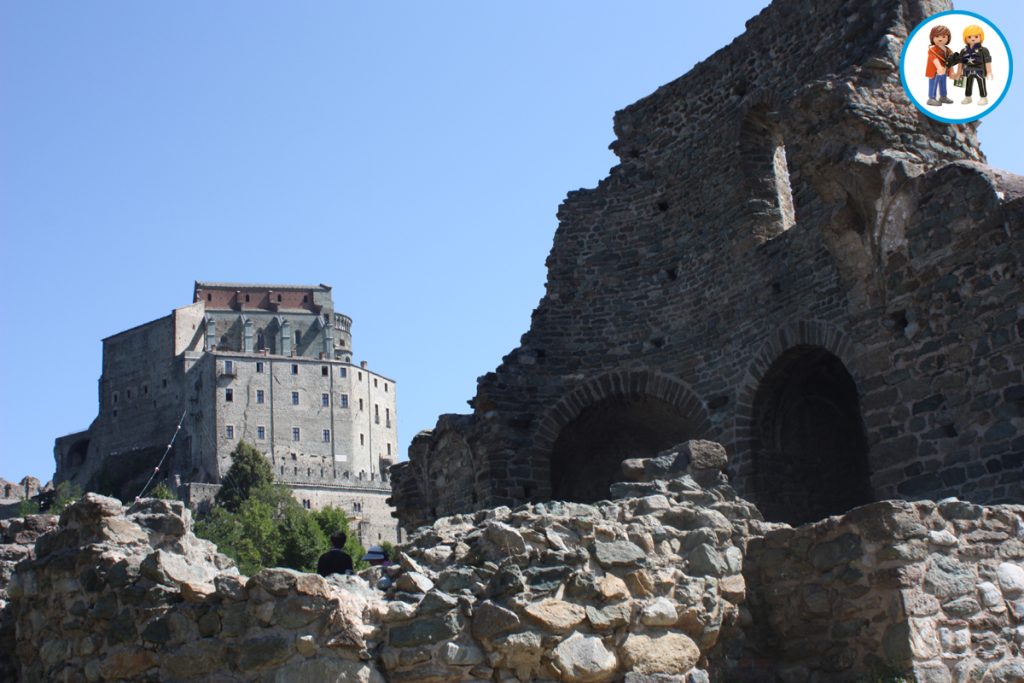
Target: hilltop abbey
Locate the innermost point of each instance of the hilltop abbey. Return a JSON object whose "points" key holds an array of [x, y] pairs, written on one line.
{"points": [[267, 364]]}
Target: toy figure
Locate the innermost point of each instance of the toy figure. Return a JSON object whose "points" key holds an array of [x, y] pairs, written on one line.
{"points": [[974, 63], [938, 54]]}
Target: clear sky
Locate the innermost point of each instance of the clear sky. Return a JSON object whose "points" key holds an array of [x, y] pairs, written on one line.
{"points": [[410, 154]]}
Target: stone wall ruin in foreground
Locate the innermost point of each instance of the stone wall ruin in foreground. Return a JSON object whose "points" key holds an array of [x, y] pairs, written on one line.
{"points": [[675, 580]]}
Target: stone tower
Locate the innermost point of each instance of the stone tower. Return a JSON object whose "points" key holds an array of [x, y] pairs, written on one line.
{"points": [[788, 259]]}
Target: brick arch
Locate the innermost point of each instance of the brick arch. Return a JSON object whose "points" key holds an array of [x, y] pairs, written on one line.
{"points": [[618, 383], [803, 363]]}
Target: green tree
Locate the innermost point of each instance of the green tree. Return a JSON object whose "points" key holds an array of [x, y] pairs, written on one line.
{"points": [[249, 470], [28, 507], [65, 494], [302, 539], [251, 535], [163, 492]]}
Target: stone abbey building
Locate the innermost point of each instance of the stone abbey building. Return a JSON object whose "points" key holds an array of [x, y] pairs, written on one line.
{"points": [[267, 364], [788, 259]]}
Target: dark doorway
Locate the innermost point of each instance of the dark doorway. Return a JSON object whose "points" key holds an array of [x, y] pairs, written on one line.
{"points": [[810, 449], [587, 456]]}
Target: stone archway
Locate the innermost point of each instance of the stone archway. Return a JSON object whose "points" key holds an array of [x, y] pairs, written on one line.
{"points": [[606, 419], [808, 442]]}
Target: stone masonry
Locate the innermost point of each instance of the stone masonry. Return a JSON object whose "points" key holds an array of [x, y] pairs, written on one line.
{"points": [[788, 259], [676, 580], [267, 364]]}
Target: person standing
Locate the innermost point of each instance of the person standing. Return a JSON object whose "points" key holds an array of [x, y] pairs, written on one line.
{"points": [[335, 560]]}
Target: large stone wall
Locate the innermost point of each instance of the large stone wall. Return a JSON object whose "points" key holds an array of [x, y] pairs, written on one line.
{"points": [[676, 580], [786, 241]]}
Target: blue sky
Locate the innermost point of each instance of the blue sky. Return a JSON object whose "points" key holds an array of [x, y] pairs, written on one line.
{"points": [[412, 155]]}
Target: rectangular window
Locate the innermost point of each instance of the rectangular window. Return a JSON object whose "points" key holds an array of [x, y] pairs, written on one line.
{"points": [[387, 417], [344, 400], [259, 366], [261, 434], [229, 395], [325, 371], [295, 368], [229, 431], [343, 372], [229, 367], [362, 439], [327, 436], [374, 382], [376, 413], [295, 434], [295, 398], [259, 396], [385, 387], [389, 449], [165, 384], [360, 377], [360, 404], [325, 400]]}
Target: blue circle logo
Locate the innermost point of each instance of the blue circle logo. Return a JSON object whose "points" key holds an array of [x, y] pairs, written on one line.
{"points": [[956, 66]]}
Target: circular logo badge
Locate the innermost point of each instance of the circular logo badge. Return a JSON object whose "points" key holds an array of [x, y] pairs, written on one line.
{"points": [[956, 66]]}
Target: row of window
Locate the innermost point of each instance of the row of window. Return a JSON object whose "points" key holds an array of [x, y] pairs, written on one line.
{"points": [[325, 401], [128, 392], [325, 370], [261, 435]]}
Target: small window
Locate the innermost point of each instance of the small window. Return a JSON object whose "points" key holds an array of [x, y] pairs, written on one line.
{"points": [[325, 371], [344, 400], [294, 456], [343, 372], [259, 396], [360, 377], [327, 436], [295, 368], [298, 337], [362, 439], [374, 382], [295, 398], [305, 298], [115, 398], [246, 298], [360, 404], [229, 367], [165, 384], [261, 434], [229, 431], [145, 389], [376, 413], [385, 387], [259, 366], [278, 298], [389, 449], [325, 400], [229, 395], [128, 393], [295, 436], [305, 504]]}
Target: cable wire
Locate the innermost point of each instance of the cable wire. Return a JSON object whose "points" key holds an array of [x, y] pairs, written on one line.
{"points": [[167, 450]]}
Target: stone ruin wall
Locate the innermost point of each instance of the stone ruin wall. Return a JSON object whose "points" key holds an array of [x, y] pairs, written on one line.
{"points": [[677, 580], [685, 300]]}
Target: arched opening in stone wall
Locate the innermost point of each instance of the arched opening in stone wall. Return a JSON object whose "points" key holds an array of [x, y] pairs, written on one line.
{"points": [[809, 444], [588, 453], [76, 455], [766, 173]]}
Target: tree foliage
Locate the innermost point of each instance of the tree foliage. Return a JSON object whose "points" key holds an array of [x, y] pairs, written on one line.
{"points": [[163, 492], [65, 494], [249, 470], [28, 507], [259, 524]]}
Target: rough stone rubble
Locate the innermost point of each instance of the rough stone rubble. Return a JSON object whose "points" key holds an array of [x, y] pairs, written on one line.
{"points": [[675, 580]]}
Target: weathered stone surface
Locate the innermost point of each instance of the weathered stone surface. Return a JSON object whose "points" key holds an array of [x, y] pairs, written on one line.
{"points": [[490, 620], [671, 653], [414, 582], [583, 659], [557, 616], [660, 612], [1011, 579], [619, 554]]}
